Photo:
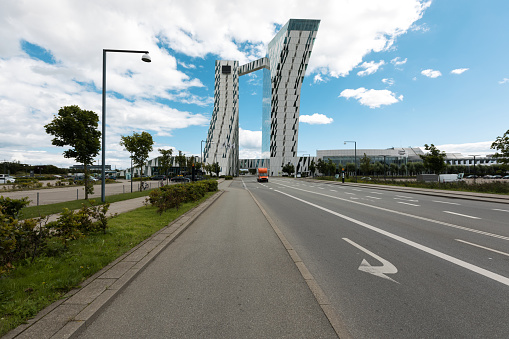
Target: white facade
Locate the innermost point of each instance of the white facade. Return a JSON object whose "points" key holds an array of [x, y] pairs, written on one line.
{"points": [[284, 68], [222, 144]]}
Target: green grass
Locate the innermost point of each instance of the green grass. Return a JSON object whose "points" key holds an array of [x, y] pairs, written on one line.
{"points": [[43, 210], [495, 187], [32, 286]]}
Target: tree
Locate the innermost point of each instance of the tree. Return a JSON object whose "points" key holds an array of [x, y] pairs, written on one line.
{"points": [[77, 128], [501, 144], [165, 160], [289, 168], [139, 145], [365, 164], [331, 168], [312, 168], [394, 169], [181, 160], [350, 167], [434, 160], [215, 168], [321, 166], [378, 168]]}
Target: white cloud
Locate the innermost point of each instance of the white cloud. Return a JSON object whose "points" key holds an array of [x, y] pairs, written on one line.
{"points": [[370, 67], [503, 81], [31, 91], [317, 79], [388, 81], [431, 73], [250, 144], [459, 70], [316, 119], [371, 97], [398, 62]]}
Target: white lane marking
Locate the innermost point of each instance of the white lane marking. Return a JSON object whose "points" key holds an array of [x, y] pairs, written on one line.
{"points": [[446, 257], [406, 203], [243, 183], [486, 248], [349, 193], [367, 196], [462, 215], [321, 188], [445, 202], [496, 209], [354, 198], [375, 193], [405, 199], [355, 189], [379, 271], [403, 196], [333, 190], [411, 215]]}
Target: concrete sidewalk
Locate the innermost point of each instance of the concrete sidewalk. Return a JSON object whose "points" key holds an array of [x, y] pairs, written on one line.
{"points": [[228, 276]]}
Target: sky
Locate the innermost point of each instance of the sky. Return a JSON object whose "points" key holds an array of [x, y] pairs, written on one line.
{"points": [[383, 73]]}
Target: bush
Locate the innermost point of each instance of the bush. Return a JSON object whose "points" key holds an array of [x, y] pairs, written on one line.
{"points": [[28, 238], [228, 177], [173, 196]]}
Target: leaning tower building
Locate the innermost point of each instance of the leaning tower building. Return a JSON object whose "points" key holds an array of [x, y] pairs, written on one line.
{"points": [[284, 68]]}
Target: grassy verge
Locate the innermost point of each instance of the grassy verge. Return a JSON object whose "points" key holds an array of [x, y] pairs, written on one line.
{"points": [[42, 210], [33, 286], [495, 187]]}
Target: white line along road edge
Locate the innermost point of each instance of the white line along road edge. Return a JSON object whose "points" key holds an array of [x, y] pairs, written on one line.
{"points": [[459, 262]]}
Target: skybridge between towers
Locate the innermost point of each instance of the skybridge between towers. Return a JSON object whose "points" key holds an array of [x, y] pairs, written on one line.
{"points": [[284, 68]]}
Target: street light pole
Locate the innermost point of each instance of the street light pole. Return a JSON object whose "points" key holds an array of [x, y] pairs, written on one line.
{"points": [[355, 155], [145, 57]]}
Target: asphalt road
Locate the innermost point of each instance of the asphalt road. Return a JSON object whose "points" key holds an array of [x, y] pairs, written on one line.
{"points": [[227, 276], [398, 265]]}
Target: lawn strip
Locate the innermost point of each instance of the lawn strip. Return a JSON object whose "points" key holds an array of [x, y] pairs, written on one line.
{"points": [[33, 286]]}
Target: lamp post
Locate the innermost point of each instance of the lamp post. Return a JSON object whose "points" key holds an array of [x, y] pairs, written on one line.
{"points": [[475, 173], [145, 57], [355, 154]]}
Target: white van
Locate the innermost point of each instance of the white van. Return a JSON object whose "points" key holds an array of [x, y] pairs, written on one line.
{"points": [[6, 179]]}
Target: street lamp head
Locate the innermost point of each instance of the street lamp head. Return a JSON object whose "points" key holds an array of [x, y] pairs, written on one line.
{"points": [[145, 57]]}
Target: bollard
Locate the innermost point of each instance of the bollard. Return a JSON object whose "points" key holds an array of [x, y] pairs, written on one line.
{"points": [[123, 189], [77, 193], [37, 198]]}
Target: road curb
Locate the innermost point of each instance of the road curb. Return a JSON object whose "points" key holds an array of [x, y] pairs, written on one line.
{"points": [[67, 317], [330, 313]]}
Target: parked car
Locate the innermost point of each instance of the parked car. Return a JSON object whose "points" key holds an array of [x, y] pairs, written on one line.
{"points": [[158, 177], [180, 179], [496, 177], [6, 179], [472, 176], [506, 177]]}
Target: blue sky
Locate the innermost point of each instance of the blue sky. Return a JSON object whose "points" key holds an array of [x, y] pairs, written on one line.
{"points": [[383, 73]]}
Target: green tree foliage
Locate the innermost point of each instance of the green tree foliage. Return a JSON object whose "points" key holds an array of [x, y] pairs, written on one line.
{"points": [[501, 144], [165, 160], [321, 166], [365, 164], [139, 145], [215, 168], [331, 168], [378, 168], [312, 168], [77, 128], [181, 160], [289, 169], [434, 160], [394, 169]]}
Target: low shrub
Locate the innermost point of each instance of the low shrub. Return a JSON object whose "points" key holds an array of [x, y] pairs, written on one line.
{"points": [[172, 196], [26, 239], [228, 177]]}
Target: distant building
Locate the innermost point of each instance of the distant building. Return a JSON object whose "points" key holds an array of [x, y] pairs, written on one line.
{"points": [[91, 167]]}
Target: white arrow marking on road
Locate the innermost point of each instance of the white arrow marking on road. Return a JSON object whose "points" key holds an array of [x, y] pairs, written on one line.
{"points": [[379, 271]]}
